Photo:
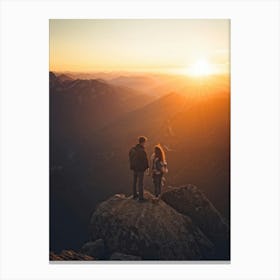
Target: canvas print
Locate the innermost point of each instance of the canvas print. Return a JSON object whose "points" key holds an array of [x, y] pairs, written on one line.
{"points": [[139, 140]]}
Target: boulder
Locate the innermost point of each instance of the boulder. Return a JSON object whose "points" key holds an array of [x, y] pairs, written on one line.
{"points": [[152, 230], [94, 249], [124, 257], [192, 202]]}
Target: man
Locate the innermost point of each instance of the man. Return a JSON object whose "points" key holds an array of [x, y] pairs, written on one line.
{"points": [[138, 164]]}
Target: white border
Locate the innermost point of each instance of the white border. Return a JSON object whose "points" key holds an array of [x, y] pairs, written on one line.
{"points": [[255, 138]]}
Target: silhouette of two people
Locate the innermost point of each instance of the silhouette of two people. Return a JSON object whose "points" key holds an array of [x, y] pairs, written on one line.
{"points": [[139, 164]]}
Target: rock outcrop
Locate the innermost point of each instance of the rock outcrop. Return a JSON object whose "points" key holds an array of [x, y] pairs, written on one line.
{"points": [[94, 249], [182, 225], [190, 201], [152, 230], [69, 255]]}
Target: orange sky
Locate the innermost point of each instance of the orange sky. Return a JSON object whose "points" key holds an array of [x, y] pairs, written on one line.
{"points": [[139, 45]]}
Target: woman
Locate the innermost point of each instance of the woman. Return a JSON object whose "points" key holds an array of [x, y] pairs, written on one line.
{"points": [[159, 167]]}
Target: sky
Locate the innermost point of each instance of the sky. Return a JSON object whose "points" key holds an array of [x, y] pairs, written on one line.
{"points": [[158, 45]]}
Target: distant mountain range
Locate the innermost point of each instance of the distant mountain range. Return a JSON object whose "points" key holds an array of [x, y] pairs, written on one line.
{"points": [[94, 122]]}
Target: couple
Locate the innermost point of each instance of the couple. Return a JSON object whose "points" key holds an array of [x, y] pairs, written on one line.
{"points": [[139, 164]]}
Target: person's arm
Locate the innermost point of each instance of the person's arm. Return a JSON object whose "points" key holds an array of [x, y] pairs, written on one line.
{"points": [[146, 162], [151, 163]]}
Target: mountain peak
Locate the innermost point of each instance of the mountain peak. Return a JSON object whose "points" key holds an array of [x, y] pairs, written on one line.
{"points": [[151, 229]]}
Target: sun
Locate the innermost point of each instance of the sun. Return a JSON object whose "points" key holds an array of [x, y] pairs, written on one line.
{"points": [[200, 68]]}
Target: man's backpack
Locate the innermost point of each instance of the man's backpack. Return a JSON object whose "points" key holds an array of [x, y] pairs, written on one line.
{"points": [[132, 158]]}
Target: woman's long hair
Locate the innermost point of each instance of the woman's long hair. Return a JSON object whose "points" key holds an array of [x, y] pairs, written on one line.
{"points": [[159, 152]]}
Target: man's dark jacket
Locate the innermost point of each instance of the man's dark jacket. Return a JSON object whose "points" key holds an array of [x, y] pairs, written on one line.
{"points": [[141, 159]]}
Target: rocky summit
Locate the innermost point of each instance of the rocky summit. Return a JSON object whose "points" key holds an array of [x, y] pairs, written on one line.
{"points": [[151, 230], [182, 225], [190, 201]]}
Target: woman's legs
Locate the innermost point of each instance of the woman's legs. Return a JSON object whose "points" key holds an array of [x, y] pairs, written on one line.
{"points": [[157, 184]]}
